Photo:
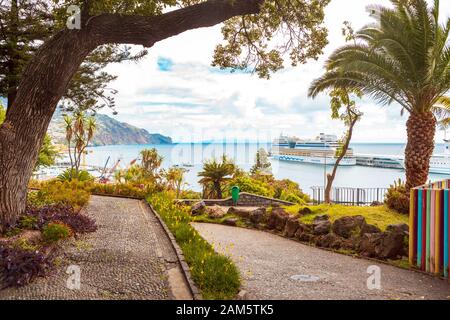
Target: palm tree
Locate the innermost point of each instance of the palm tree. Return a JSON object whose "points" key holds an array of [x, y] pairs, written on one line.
{"points": [[214, 174], [175, 179], [80, 131], [403, 57], [151, 161]]}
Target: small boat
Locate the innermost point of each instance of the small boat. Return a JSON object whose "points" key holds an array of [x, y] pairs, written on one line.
{"points": [[188, 165]]}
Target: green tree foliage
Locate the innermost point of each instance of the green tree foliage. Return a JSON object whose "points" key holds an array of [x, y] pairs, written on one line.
{"points": [[25, 26], [262, 163], [252, 42], [47, 154], [282, 26], [255, 42]]}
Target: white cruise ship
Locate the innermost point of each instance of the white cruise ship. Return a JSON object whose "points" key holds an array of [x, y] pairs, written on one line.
{"points": [[321, 150], [440, 163]]}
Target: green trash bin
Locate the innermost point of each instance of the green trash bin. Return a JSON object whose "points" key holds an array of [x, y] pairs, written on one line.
{"points": [[235, 194]]}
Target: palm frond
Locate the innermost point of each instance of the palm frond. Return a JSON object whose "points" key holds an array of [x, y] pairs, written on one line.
{"points": [[403, 57]]}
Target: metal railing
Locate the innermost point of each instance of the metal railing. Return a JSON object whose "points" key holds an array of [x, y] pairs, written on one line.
{"points": [[350, 196]]}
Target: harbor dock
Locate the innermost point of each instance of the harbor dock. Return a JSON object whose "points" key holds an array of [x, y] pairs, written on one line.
{"points": [[379, 161]]}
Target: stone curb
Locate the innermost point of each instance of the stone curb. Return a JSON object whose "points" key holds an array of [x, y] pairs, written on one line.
{"points": [[184, 266]]}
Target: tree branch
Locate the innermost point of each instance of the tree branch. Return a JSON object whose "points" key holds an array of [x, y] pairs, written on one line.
{"points": [[146, 31]]}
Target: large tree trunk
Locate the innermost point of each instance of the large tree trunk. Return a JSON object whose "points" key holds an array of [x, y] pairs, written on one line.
{"points": [[421, 129], [21, 135], [48, 74]]}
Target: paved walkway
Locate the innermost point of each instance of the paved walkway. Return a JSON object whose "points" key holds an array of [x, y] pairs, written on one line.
{"points": [[267, 262], [129, 257]]}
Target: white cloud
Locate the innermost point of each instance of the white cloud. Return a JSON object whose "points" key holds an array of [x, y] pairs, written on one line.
{"points": [[193, 101]]}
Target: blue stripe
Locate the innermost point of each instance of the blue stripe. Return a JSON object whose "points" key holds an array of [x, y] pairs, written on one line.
{"points": [[419, 228]]}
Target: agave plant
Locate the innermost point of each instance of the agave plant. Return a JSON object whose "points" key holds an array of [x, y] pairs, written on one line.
{"points": [[403, 58]]}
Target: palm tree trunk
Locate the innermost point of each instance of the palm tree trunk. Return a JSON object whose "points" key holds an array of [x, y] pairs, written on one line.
{"points": [[421, 128], [218, 189]]}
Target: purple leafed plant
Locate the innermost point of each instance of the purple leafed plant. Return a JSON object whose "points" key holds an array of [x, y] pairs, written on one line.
{"points": [[19, 267], [79, 223]]}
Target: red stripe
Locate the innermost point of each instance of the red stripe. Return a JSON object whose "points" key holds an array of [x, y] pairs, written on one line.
{"points": [[424, 228]]}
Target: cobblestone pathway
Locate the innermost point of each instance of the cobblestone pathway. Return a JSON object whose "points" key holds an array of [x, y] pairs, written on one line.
{"points": [[129, 257], [267, 262]]}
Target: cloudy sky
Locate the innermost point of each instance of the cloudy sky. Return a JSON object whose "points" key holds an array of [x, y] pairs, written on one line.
{"points": [[175, 91]]}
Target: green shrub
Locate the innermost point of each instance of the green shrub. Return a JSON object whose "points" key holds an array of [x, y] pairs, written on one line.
{"points": [[55, 231], [120, 189], [397, 197], [71, 193], [291, 197], [214, 274], [250, 185], [12, 232], [70, 174], [189, 194], [28, 223], [35, 200], [23, 244], [267, 186]]}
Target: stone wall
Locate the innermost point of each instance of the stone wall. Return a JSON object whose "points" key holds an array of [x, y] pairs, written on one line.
{"points": [[245, 200]]}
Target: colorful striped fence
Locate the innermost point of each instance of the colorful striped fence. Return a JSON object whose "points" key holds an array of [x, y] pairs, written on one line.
{"points": [[429, 228]]}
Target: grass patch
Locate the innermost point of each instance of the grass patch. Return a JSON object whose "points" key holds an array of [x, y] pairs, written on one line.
{"points": [[401, 263], [215, 275], [380, 216]]}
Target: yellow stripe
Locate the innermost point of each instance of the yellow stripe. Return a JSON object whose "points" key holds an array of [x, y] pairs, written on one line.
{"points": [[412, 235]]}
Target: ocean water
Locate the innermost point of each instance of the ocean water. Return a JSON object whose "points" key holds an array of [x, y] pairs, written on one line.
{"points": [[307, 175]]}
